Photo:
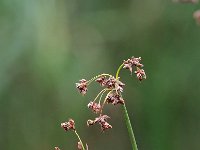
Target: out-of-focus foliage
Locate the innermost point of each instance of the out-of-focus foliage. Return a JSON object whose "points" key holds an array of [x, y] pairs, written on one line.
{"points": [[46, 46]]}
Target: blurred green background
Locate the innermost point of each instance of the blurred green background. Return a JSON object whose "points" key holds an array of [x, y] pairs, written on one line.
{"points": [[46, 46]]}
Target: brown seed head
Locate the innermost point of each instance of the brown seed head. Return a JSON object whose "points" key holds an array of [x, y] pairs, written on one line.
{"points": [[114, 99], [102, 120], [82, 86], [105, 125], [111, 83], [70, 125], [140, 74], [119, 86], [133, 61], [128, 64], [136, 61], [96, 107], [101, 80]]}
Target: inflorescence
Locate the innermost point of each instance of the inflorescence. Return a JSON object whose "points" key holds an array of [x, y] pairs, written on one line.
{"points": [[113, 87]]}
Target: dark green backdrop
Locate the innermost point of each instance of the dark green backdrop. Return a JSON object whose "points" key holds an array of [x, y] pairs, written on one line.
{"points": [[46, 46]]}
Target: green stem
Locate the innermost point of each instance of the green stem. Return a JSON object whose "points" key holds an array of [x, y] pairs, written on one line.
{"points": [[91, 80], [102, 91], [126, 117], [130, 129], [105, 101], [79, 139], [118, 70]]}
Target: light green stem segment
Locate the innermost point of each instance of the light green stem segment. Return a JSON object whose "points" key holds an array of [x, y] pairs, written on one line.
{"points": [[104, 74], [130, 130], [118, 70], [126, 117], [79, 139]]}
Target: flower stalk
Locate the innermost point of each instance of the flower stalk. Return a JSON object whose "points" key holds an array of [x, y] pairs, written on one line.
{"points": [[126, 117]]}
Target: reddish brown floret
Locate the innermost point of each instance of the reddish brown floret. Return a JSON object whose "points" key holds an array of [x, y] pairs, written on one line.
{"points": [[96, 107], [82, 86], [119, 86], [102, 120], [101, 80], [57, 148], [111, 83], [136, 61], [140, 74], [70, 125], [129, 63], [114, 99], [105, 125]]}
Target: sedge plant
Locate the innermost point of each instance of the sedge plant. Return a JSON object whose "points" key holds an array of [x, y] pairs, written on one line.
{"points": [[110, 94]]}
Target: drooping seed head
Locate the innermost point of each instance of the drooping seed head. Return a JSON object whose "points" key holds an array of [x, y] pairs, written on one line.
{"points": [[82, 86], [140, 74], [96, 107], [102, 120], [114, 99], [105, 126], [70, 125], [101, 80], [132, 62]]}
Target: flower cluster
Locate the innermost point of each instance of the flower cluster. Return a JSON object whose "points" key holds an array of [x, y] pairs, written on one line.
{"points": [[70, 125], [82, 86], [114, 99], [140, 74], [129, 63], [96, 107], [135, 62], [110, 83], [113, 87], [102, 120], [57, 148]]}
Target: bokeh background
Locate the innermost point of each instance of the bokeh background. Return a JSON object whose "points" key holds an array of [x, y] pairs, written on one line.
{"points": [[46, 46]]}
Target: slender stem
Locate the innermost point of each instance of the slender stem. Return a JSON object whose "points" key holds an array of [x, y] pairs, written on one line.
{"points": [[102, 95], [118, 70], [130, 129], [105, 101], [126, 117], [104, 74], [79, 139], [102, 91]]}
